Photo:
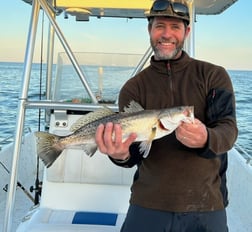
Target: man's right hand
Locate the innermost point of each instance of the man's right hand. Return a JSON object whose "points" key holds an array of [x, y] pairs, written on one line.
{"points": [[109, 141]]}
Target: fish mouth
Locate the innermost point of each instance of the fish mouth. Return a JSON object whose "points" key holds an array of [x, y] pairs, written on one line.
{"points": [[189, 113]]}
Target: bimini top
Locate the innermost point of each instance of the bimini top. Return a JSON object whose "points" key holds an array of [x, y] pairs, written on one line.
{"points": [[82, 9]]}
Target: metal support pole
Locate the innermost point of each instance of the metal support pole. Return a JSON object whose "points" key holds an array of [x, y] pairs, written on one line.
{"points": [[20, 116], [190, 41], [143, 61], [50, 56], [50, 51], [192, 36]]}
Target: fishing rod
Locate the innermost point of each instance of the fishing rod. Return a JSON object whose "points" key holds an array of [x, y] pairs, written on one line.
{"points": [[38, 184], [18, 184]]}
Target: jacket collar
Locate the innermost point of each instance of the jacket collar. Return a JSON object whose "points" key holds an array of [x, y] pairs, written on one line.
{"points": [[175, 65]]}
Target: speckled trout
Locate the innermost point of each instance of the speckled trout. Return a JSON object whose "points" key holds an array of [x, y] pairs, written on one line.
{"points": [[147, 124]]}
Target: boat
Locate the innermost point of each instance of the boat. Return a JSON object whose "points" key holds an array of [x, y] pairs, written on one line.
{"points": [[79, 193]]}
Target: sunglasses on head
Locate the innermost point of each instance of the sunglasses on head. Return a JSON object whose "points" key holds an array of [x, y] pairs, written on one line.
{"points": [[177, 8]]}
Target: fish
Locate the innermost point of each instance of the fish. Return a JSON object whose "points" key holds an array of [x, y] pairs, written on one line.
{"points": [[147, 124]]}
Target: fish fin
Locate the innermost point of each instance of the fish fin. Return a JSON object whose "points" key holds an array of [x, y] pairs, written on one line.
{"points": [[90, 117], [133, 107], [46, 149], [90, 149], [145, 146]]}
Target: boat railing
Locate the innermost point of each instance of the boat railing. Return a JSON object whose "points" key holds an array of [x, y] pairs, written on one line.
{"points": [[9, 139], [244, 153]]}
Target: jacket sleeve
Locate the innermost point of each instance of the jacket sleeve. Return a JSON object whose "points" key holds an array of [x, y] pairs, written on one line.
{"points": [[220, 121], [135, 157]]}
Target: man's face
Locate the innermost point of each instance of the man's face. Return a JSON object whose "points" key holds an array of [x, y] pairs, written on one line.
{"points": [[167, 36]]}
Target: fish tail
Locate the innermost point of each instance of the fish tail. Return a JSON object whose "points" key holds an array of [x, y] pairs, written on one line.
{"points": [[48, 147]]}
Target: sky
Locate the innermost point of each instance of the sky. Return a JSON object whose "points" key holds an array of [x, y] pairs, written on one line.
{"points": [[224, 39]]}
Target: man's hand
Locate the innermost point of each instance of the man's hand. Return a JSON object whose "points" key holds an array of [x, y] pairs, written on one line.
{"points": [[109, 141], [193, 135]]}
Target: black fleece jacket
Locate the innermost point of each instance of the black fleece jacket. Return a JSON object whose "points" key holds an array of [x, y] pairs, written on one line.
{"points": [[174, 177]]}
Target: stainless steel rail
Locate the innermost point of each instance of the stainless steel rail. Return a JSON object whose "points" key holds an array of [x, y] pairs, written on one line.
{"points": [[21, 115], [66, 106]]}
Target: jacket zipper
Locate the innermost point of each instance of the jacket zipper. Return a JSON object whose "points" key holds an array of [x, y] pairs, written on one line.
{"points": [[169, 73]]}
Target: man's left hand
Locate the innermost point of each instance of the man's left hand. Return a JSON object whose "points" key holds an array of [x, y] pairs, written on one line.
{"points": [[193, 135]]}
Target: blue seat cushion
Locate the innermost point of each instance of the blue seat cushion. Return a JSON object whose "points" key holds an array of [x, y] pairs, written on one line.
{"points": [[95, 218]]}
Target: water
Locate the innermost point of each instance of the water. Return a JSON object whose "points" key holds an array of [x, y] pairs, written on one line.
{"points": [[242, 83], [10, 86], [10, 83]]}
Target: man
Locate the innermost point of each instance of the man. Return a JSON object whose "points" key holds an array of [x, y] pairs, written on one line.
{"points": [[181, 185]]}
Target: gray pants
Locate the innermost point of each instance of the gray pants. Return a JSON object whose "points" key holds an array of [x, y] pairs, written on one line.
{"points": [[140, 219]]}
